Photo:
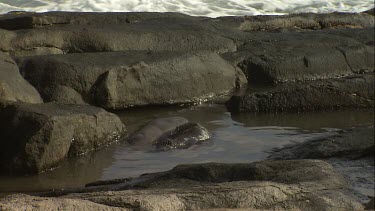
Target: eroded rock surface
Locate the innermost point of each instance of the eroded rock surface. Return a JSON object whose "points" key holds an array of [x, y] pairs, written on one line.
{"points": [[36, 137], [265, 185]]}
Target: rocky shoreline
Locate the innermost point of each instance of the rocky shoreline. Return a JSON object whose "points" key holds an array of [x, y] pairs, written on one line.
{"points": [[60, 70]]}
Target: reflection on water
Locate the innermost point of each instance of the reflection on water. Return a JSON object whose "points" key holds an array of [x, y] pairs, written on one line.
{"points": [[235, 138]]}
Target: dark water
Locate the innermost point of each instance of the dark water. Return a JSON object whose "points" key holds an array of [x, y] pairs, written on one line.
{"points": [[235, 138]]}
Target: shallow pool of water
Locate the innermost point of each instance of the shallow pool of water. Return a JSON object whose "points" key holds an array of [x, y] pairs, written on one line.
{"points": [[234, 138]]}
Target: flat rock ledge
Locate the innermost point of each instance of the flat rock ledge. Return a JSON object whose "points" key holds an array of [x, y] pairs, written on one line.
{"points": [[37, 137], [355, 91], [264, 185]]}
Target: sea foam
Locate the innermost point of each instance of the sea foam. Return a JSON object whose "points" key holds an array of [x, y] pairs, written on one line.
{"points": [[211, 8]]}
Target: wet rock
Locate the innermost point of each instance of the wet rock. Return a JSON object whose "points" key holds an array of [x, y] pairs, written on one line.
{"points": [[156, 128], [330, 94], [370, 11], [294, 22], [29, 20], [36, 137], [153, 35], [353, 143], [169, 133], [118, 80], [265, 185], [298, 56], [13, 87], [182, 137], [307, 21], [350, 152]]}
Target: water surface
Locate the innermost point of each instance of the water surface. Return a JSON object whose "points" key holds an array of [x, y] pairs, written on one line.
{"points": [[235, 138]]}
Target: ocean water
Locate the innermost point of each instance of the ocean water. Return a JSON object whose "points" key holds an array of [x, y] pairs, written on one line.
{"points": [[212, 8]]}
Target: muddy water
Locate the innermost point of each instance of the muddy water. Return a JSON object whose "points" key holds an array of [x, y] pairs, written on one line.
{"points": [[235, 138]]}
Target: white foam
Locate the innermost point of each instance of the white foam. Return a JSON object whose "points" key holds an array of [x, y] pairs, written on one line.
{"points": [[212, 8]]}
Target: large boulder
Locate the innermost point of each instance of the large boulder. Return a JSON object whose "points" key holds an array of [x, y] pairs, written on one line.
{"points": [[118, 80], [349, 92], [13, 87], [265, 185], [298, 56], [37, 137]]}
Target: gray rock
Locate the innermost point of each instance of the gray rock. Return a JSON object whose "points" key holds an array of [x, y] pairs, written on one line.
{"points": [[13, 87], [36, 137], [155, 35], [294, 22], [265, 185], [169, 133], [330, 94], [29, 20], [118, 80], [298, 56], [308, 21]]}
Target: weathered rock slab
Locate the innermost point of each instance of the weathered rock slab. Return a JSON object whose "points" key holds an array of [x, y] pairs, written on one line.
{"points": [[13, 87], [118, 80], [36, 137], [349, 92], [265, 185]]}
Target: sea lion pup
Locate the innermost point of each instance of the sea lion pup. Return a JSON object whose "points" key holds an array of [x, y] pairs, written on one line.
{"points": [[169, 133]]}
